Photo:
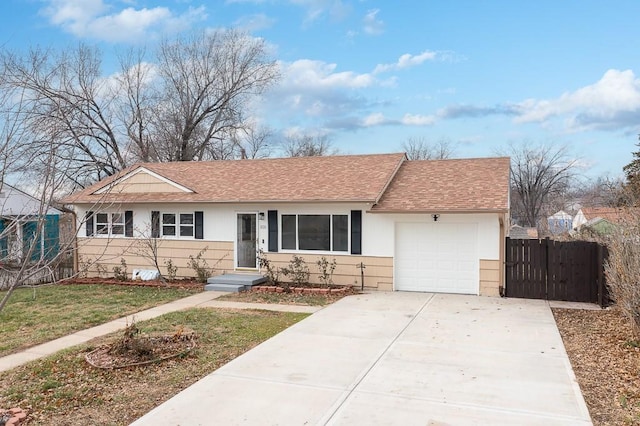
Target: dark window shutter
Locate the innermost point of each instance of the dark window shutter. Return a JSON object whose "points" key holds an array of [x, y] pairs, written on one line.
{"points": [[273, 230], [199, 231], [128, 223], [88, 223], [356, 231], [155, 224]]}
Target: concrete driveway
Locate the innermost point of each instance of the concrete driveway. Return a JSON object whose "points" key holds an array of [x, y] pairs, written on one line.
{"points": [[396, 359]]}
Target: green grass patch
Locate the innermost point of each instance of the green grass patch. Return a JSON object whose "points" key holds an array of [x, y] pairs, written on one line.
{"points": [[37, 315], [65, 386]]}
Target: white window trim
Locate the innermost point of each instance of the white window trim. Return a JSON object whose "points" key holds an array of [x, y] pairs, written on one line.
{"points": [[319, 252], [177, 236], [109, 223]]}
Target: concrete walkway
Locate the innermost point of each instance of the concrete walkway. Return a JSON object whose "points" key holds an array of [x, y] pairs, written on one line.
{"points": [[205, 299], [395, 359]]}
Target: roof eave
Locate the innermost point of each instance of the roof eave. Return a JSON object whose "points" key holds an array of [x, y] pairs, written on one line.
{"points": [[439, 211], [257, 201]]}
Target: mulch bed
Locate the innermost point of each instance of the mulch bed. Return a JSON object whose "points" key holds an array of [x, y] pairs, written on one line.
{"points": [[606, 361], [303, 290], [156, 349]]}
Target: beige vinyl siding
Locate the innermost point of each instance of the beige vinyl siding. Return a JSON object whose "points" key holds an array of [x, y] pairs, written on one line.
{"points": [[490, 277], [378, 274], [143, 182], [102, 254]]}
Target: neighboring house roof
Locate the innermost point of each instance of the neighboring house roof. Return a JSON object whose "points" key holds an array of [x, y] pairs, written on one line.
{"points": [[14, 202], [465, 185], [561, 215], [390, 180], [610, 214], [597, 225], [352, 178], [518, 232]]}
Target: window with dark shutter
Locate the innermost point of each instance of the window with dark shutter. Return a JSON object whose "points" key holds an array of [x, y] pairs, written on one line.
{"points": [[356, 231], [199, 217], [128, 223], [272, 216], [88, 224], [155, 224]]}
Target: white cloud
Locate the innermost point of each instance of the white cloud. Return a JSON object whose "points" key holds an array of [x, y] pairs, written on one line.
{"points": [[406, 61], [611, 102], [418, 120], [310, 74], [371, 24], [255, 22], [375, 119], [315, 92], [337, 10], [91, 18]]}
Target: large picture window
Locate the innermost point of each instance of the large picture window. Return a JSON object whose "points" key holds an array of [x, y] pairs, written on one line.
{"points": [[320, 232]]}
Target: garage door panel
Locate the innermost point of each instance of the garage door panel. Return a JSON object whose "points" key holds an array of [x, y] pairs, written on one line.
{"points": [[437, 257]]}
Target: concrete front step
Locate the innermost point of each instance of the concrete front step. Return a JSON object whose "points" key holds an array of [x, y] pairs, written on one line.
{"points": [[229, 288], [233, 282]]}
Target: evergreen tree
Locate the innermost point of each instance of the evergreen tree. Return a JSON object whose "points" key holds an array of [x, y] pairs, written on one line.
{"points": [[632, 172]]}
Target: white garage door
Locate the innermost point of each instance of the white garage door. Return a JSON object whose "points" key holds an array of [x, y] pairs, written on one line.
{"points": [[437, 257]]}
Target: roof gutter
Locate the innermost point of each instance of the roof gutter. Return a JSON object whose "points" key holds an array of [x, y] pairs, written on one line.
{"points": [[439, 211]]}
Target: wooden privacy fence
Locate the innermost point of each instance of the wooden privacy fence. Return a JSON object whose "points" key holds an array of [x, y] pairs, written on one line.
{"points": [[556, 270]]}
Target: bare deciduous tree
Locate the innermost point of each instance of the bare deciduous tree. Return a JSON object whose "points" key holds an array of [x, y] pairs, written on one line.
{"points": [[186, 105], [307, 146], [537, 174], [623, 268], [137, 97], [422, 149], [254, 142], [33, 260], [65, 98], [207, 80]]}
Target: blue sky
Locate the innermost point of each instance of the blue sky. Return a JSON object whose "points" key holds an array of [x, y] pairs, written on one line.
{"points": [[371, 74]]}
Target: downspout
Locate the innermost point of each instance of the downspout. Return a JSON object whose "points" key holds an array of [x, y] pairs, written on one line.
{"points": [[503, 263], [75, 242]]}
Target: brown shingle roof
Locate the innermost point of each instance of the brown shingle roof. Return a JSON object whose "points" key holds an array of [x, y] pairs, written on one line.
{"points": [[349, 178], [466, 185], [615, 215]]}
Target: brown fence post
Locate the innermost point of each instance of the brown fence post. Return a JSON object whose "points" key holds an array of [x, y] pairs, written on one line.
{"points": [[546, 267]]}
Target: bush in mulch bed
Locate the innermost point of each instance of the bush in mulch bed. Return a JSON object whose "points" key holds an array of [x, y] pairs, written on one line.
{"points": [[302, 290], [185, 283], [134, 349]]}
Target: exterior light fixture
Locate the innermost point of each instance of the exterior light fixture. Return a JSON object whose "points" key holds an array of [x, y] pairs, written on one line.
{"points": [[435, 217]]}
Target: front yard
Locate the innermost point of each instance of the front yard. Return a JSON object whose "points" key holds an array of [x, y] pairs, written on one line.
{"points": [[37, 315], [64, 389], [606, 361]]}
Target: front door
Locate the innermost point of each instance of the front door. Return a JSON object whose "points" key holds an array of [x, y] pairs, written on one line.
{"points": [[246, 240]]}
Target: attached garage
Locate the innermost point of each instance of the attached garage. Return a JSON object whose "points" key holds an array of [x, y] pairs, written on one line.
{"points": [[437, 257]]}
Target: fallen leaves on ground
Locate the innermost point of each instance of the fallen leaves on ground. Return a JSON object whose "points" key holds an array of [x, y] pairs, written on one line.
{"points": [[606, 361]]}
